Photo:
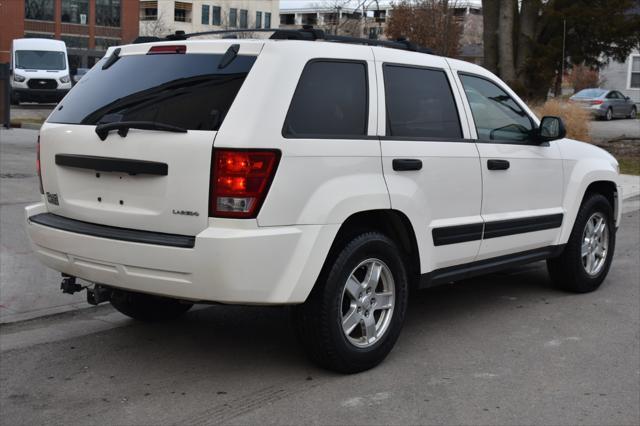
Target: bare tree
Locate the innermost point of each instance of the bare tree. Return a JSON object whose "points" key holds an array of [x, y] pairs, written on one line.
{"points": [[429, 23], [155, 28]]}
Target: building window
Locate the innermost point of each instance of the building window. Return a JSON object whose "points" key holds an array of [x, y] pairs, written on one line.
{"points": [[205, 14], [108, 13], [148, 10], [75, 11], [233, 17], [182, 12], [216, 13], [103, 43], [267, 20], [75, 41], [285, 19], [244, 18], [39, 35], [41, 10], [634, 80], [258, 19]]}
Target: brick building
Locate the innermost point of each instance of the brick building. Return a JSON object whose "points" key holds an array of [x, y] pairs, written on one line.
{"points": [[88, 27]]}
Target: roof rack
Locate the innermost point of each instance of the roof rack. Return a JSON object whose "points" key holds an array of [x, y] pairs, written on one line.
{"points": [[307, 32]]}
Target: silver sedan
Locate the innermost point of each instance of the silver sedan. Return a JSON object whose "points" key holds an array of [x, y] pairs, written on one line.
{"points": [[606, 104]]}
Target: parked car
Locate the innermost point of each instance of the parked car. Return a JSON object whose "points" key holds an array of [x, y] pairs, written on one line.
{"points": [[80, 72], [40, 70], [327, 176], [606, 104]]}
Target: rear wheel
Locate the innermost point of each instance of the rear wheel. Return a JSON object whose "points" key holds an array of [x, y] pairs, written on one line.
{"points": [[586, 259], [145, 307], [354, 314], [609, 115]]}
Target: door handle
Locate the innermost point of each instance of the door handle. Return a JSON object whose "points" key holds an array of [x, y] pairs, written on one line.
{"points": [[497, 164], [404, 164]]}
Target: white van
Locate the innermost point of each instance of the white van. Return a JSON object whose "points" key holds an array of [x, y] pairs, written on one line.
{"points": [[40, 70]]}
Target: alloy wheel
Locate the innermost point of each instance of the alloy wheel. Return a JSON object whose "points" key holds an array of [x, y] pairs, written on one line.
{"points": [[367, 303], [595, 244]]}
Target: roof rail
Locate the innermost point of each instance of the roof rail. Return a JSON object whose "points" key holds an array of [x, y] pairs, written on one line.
{"points": [[307, 32]]}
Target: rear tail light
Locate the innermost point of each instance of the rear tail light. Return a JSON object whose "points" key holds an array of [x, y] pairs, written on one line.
{"points": [[38, 166], [240, 180], [167, 49], [597, 102]]}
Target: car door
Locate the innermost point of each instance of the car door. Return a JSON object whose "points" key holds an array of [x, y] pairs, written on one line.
{"points": [[522, 179], [431, 167], [616, 100]]}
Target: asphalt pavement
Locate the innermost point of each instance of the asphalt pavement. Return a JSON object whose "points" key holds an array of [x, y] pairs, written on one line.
{"points": [[504, 349]]}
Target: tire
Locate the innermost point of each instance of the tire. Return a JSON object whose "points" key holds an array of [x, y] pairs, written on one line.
{"points": [[609, 115], [632, 114], [319, 321], [569, 271], [145, 307]]}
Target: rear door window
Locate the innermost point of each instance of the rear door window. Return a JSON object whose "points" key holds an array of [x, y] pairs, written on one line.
{"points": [[331, 101], [184, 90], [420, 104]]}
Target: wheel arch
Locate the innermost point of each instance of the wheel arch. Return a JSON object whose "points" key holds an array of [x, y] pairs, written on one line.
{"points": [[392, 223]]}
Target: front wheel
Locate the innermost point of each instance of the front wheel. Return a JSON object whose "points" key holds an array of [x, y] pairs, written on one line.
{"points": [[586, 259], [354, 314], [633, 113], [146, 307]]}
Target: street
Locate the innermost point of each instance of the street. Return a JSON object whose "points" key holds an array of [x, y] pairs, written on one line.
{"points": [[501, 349]]}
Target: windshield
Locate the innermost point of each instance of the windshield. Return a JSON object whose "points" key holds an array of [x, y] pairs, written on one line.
{"points": [[40, 60], [590, 93], [183, 90]]}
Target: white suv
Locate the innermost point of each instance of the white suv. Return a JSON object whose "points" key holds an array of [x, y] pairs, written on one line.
{"points": [[331, 176]]}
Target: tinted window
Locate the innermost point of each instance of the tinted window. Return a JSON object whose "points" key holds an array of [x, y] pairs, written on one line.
{"points": [[420, 103], [188, 91], [497, 116], [330, 101]]}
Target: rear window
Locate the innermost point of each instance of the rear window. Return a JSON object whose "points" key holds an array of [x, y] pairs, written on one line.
{"points": [[420, 104], [590, 93], [330, 101], [184, 90]]}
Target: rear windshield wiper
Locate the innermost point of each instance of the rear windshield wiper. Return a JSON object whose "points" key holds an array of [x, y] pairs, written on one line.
{"points": [[102, 130]]}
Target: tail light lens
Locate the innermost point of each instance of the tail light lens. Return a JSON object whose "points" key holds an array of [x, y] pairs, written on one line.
{"points": [[597, 102], [38, 166], [240, 180]]}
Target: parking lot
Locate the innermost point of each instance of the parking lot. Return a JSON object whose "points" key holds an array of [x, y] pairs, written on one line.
{"points": [[502, 349]]}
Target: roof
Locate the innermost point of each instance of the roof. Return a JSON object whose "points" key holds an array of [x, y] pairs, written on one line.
{"points": [[38, 44]]}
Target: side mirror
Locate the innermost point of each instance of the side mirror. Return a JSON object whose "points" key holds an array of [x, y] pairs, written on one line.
{"points": [[551, 128]]}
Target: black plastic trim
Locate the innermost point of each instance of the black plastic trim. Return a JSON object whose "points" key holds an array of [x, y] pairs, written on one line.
{"points": [[501, 228], [111, 232], [457, 234], [481, 267], [504, 228], [110, 164]]}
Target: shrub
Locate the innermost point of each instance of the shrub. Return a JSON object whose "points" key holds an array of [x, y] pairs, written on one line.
{"points": [[575, 118], [583, 77]]}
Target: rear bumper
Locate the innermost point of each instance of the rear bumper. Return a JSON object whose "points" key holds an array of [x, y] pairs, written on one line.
{"points": [[230, 264]]}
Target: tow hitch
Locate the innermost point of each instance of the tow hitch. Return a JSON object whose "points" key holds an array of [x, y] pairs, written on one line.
{"points": [[95, 295]]}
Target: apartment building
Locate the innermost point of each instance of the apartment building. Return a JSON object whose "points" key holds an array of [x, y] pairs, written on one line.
{"points": [[161, 17], [88, 27]]}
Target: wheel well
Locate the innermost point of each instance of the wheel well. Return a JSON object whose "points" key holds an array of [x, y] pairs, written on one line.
{"points": [[392, 223], [605, 188]]}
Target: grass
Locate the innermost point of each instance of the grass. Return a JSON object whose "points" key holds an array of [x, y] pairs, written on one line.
{"points": [[629, 165]]}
